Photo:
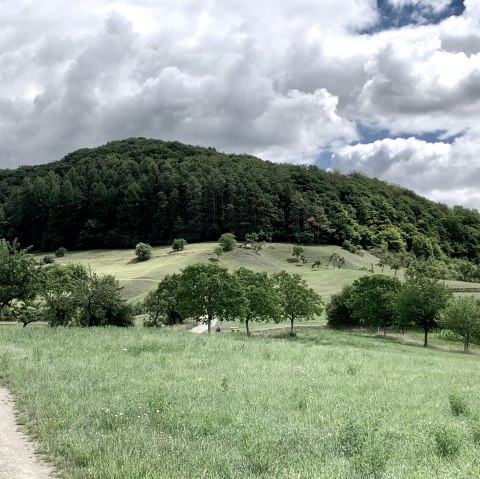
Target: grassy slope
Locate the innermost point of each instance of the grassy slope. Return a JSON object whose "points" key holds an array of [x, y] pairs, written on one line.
{"points": [[139, 278], [143, 404]]}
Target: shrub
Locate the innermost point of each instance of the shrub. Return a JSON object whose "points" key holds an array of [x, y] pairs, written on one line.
{"points": [[143, 251], [61, 252], [339, 314], [227, 241], [49, 259], [178, 244]]}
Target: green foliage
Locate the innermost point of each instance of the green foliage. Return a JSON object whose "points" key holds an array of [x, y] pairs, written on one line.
{"points": [[19, 274], [298, 251], [100, 303], [179, 244], [27, 312], [338, 310], [462, 316], [297, 300], [317, 263], [373, 300], [143, 251], [218, 251], [59, 286], [209, 291], [227, 242], [156, 190], [336, 260], [49, 259], [261, 297], [61, 252], [161, 305], [420, 301]]}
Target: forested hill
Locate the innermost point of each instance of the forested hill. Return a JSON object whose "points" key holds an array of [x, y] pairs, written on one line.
{"points": [[150, 190]]}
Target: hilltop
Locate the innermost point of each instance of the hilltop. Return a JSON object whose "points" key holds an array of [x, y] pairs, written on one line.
{"points": [[150, 190]]}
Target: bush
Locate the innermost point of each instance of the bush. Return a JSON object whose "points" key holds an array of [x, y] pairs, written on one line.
{"points": [[227, 241], [49, 259], [178, 244], [143, 251], [339, 315], [61, 252]]}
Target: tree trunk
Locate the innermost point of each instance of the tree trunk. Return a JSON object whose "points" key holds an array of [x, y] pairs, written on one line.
{"points": [[465, 343], [291, 327], [384, 330], [425, 341], [209, 322], [248, 330]]}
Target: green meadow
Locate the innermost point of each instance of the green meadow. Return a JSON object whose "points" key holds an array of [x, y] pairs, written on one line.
{"points": [[149, 404], [138, 278]]}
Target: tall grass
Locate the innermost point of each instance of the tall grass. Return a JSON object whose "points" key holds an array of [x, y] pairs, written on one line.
{"points": [[137, 404]]}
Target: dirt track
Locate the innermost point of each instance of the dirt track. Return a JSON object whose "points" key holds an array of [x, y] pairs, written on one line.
{"points": [[17, 459]]}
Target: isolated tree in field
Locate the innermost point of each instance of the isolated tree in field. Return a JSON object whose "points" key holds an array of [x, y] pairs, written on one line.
{"points": [[251, 239], [209, 291], [336, 260], [143, 251], [26, 312], [298, 251], [316, 263], [261, 296], [420, 301], [218, 251], [100, 302], [297, 300], [61, 252], [19, 274], [227, 242], [58, 289], [179, 244], [373, 300], [462, 316], [161, 304]]}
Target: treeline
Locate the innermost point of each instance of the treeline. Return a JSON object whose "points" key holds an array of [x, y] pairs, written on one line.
{"points": [[153, 191]]}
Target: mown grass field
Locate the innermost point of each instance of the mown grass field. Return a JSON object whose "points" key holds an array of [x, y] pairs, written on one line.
{"points": [[142, 404]]}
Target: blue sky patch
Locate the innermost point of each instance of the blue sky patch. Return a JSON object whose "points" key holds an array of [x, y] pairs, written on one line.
{"points": [[396, 17]]}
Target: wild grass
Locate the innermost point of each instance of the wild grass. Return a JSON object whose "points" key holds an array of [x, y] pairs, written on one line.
{"points": [[152, 404]]}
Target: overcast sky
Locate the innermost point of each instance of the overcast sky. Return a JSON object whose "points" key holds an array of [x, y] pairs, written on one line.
{"points": [[390, 88]]}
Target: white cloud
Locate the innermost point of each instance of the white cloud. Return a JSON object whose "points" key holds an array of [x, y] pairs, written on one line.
{"points": [[444, 172], [280, 79]]}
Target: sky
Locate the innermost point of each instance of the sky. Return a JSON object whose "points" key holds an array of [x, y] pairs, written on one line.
{"points": [[389, 88]]}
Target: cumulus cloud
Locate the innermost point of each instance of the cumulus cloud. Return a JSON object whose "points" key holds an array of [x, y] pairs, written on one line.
{"points": [[283, 80], [449, 173]]}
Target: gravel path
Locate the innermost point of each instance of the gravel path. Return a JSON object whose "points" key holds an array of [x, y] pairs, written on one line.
{"points": [[17, 458]]}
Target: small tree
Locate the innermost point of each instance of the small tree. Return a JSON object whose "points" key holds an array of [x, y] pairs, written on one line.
{"points": [[298, 251], [19, 274], [462, 316], [61, 252], [161, 305], [227, 242], [373, 300], [297, 300], [338, 310], [143, 251], [218, 251], [336, 260], [262, 299], [179, 244], [210, 291], [316, 263], [420, 301], [49, 259]]}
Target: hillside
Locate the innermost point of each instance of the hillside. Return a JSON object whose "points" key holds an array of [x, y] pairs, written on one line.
{"points": [[149, 190], [137, 278]]}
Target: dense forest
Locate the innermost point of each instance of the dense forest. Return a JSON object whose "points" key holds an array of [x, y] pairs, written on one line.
{"points": [[150, 190]]}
